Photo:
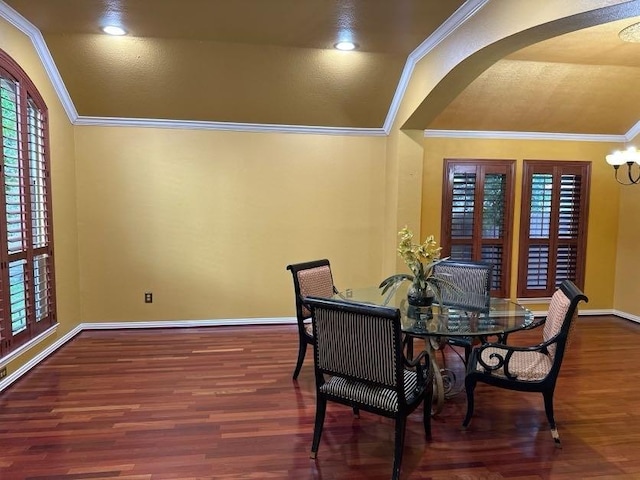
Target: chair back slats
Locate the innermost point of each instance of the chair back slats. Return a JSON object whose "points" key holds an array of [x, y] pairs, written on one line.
{"points": [[356, 345], [473, 282]]}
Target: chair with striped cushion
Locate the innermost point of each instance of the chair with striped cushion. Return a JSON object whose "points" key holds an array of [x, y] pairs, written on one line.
{"points": [[473, 283], [309, 278], [529, 369], [359, 363]]}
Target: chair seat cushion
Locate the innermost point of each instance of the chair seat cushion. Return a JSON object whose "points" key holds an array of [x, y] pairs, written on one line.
{"points": [[367, 394], [525, 366]]}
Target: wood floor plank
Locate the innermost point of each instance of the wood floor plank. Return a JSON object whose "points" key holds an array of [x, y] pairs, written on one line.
{"points": [[219, 403]]}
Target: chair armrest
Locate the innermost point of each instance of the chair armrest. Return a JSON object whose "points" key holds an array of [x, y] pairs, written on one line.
{"points": [[513, 348], [422, 364], [416, 361], [501, 359]]}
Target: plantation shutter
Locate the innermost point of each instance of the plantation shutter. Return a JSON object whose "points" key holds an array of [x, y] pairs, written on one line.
{"points": [[553, 226], [26, 268], [476, 215]]}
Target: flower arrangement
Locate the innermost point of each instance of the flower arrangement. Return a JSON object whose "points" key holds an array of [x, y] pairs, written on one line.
{"points": [[420, 258]]}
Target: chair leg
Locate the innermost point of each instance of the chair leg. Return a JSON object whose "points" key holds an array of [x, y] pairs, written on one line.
{"points": [[426, 412], [469, 385], [399, 448], [321, 408], [302, 350], [548, 409], [467, 354]]}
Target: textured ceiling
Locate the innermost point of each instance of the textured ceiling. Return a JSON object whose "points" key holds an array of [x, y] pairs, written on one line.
{"points": [[584, 82], [271, 62], [244, 61]]}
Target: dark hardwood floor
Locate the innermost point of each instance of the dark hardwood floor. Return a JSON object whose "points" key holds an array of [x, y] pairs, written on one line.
{"points": [[219, 403]]}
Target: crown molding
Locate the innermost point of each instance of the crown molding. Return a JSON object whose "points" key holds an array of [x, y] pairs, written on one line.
{"points": [[466, 11], [453, 22], [226, 126], [633, 132], [505, 135], [21, 23]]}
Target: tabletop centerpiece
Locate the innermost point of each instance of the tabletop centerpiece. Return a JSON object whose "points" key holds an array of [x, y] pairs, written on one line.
{"points": [[420, 258]]}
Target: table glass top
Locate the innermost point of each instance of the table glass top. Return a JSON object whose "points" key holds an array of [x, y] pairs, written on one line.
{"points": [[502, 316]]}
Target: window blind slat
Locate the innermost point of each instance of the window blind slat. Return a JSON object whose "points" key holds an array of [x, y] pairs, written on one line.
{"points": [[463, 204], [552, 241], [477, 214], [27, 279]]}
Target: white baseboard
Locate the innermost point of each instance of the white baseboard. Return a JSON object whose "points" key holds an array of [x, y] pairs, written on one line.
{"points": [[189, 323], [24, 369], [628, 316]]}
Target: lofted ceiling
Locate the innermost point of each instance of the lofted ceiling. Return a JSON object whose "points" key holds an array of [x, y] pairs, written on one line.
{"points": [[272, 62], [583, 82]]}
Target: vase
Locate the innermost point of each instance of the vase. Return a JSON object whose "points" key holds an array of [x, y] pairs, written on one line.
{"points": [[419, 296]]}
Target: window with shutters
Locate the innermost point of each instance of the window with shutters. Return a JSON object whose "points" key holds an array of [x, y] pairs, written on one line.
{"points": [[477, 214], [27, 298], [553, 226]]}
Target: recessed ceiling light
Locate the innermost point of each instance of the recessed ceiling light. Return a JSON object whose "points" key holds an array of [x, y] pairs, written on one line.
{"points": [[113, 30], [631, 33], [346, 46]]}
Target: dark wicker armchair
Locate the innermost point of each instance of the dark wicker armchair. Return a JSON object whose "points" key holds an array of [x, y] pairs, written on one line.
{"points": [[528, 369], [359, 363], [309, 278], [473, 282]]}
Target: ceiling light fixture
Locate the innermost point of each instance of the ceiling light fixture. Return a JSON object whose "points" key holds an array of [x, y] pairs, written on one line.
{"points": [[630, 33], [114, 30], [630, 156], [345, 46]]}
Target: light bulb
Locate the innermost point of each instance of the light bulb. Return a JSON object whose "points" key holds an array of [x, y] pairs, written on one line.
{"points": [[114, 30], [345, 46]]}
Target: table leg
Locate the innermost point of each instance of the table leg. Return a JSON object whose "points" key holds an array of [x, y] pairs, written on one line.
{"points": [[438, 385], [444, 379]]}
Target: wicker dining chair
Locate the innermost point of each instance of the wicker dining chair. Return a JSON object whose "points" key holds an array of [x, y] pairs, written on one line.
{"points": [[473, 284], [309, 278], [533, 368], [359, 362]]}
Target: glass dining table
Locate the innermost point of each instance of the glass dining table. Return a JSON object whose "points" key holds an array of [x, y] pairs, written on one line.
{"points": [[436, 323]]}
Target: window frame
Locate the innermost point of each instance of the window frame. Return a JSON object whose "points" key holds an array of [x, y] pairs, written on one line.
{"points": [[482, 167], [31, 171], [556, 168]]}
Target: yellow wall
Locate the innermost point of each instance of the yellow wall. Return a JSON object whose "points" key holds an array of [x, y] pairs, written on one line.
{"points": [[603, 201], [19, 47], [494, 31], [627, 285], [208, 221]]}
